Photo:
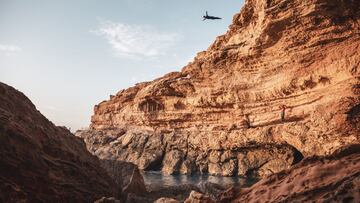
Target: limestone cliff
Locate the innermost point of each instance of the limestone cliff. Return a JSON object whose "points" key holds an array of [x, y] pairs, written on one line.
{"points": [[221, 113]]}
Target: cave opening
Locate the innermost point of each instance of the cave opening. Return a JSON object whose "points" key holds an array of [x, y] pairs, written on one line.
{"points": [[298, 156], [151, 105], [353, 115], [156, 165]]}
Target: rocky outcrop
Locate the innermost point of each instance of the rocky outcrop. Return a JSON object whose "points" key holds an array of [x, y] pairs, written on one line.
{"points": [[221, 113], [213, 190], [166, 200], [107, 200], [40, 162], [178, 192], [174, 153], [334, 178], [127, 176], [196, 197]]}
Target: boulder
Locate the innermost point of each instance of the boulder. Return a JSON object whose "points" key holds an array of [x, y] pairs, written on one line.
{"points": [[107, 200], [126, 175], [166, 200], [197, 197], [211, 189]]}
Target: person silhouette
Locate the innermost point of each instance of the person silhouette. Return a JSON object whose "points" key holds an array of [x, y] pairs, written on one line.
{"points": [[207, 17], [282, 114]]}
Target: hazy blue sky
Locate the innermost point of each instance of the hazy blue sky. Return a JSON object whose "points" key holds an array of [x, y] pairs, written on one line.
{"points": [[67, 56]]}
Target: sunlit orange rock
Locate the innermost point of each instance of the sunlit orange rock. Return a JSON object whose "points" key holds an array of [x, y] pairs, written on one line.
{"points": [[228, 101]]}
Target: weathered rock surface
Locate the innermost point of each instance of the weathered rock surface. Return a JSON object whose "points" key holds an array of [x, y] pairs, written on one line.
{"points": [[334, 178], [107, 200], [213, 190], [127, 176], [179, 154], [40, 162], [221, 113], [197, 197], [166, 200], [179, 192]]}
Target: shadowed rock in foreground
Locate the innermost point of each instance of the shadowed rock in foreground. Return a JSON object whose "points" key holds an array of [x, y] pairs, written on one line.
{"points": [[221, 114], [334, 178], [40, 162]]}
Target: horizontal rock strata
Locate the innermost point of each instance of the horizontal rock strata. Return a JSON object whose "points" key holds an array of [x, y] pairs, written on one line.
{"points": [[286, 74]]}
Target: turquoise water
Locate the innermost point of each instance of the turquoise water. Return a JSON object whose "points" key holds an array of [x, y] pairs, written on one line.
{"points": [[157, 179]]}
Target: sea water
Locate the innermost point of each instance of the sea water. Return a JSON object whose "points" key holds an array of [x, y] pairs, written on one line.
{"points": [[157, 179]]}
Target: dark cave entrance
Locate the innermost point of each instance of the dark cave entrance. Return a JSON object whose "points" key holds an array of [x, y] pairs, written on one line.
{"points": [[298, 156], [151, 105], [353, 116]]}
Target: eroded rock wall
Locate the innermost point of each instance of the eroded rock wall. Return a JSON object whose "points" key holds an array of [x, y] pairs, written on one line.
{"points": [[301, 54], [175, 153]]}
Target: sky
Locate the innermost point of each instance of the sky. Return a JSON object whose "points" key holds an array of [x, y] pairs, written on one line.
{"points": [[66, 56]]}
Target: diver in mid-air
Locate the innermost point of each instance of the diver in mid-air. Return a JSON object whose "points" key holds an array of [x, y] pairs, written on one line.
{"points": [[210, 17]]}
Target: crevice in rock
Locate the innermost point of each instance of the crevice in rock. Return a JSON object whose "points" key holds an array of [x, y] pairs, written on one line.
{"points": [[187, 146], [155, 165], [353, 115], [144, 145], [298, 156], [252, 174]]}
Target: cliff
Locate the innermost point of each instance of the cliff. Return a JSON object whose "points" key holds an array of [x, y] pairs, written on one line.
{"points": [[221, 113], [40, 162]]}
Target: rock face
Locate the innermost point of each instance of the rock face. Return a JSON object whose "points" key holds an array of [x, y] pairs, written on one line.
{"points": [[127, 176], [40, 162], [175, 153], [221, 113], [334, 178]]}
